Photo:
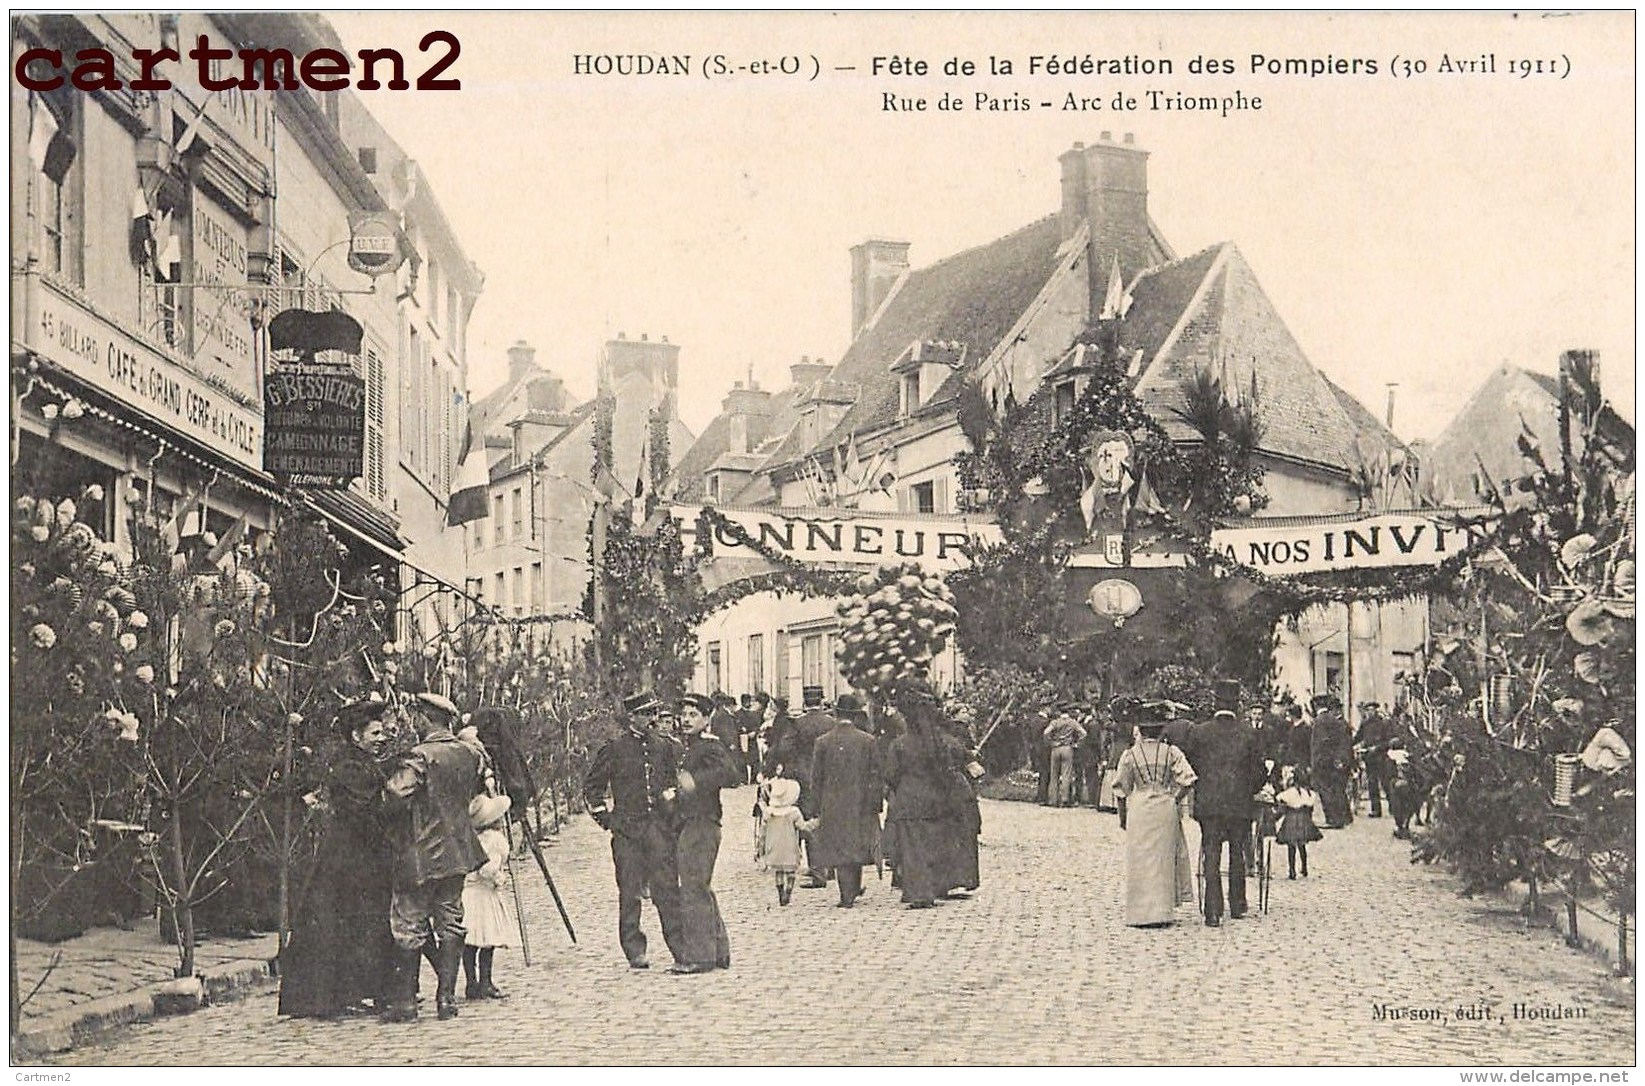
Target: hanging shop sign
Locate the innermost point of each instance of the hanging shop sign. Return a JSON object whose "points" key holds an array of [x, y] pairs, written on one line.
{"points": [[374, 243], [938, 544], [68, 334], [1392, 539], [314, 418]]}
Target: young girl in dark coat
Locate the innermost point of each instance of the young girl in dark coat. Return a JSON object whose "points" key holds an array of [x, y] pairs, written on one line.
{"points": [[1296, 819]]}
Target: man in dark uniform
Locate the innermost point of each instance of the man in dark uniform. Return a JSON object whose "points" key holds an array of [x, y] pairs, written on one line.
{"points": [[1224, 758], [1297, 741], [1376, 732], [811, 726], [641, 770], [705, 768], [432, 784]]}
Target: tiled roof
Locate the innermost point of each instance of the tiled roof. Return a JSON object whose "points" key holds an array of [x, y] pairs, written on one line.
{"points": [[973, 297], [1227, 324]]}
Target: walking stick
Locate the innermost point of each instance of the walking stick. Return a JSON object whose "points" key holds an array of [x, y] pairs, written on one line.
{"points": [[542, 865], [514, 884]]}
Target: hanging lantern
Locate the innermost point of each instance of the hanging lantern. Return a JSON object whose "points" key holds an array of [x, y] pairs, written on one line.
{"points": [[1564, 777]]}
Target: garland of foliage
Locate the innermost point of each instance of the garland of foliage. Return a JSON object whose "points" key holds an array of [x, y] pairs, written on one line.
{"points": [[792, 576]]}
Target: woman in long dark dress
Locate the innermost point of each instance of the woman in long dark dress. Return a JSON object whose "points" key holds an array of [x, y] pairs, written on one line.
{"points": [[965, 826], [920, 773], [340, 943]]}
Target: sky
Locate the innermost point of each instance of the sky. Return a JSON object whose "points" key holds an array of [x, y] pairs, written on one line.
{"points": [[1417, 229]]}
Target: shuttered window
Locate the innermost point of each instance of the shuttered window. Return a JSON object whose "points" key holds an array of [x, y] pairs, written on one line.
{"points": [[376, 476]]}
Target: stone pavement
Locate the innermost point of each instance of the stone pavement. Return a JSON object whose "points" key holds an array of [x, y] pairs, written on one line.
{"points": [[1367, 962], [108, 976]]}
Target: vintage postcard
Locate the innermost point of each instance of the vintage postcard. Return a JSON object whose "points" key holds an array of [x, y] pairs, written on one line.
{"points": [[824, 539]]}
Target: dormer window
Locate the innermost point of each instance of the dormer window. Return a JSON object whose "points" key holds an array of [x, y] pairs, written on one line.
{"points": [[1067, 392], [923, 368], [910, 392]]}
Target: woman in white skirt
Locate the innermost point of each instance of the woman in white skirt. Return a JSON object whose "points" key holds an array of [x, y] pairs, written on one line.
{"points": [[1152, 777], [485, 906]]}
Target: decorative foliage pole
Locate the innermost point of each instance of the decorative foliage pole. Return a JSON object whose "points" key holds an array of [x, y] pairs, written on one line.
{"points": [[1555, 674]]}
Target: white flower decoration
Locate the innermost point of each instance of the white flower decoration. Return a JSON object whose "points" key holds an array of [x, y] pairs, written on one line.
{"points": [[94, 492], [128, 642], [73, 409], [137, 620], [43, 636], [49, 411]]}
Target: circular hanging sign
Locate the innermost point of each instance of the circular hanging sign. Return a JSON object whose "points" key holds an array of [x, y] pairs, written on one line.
{"points": [[374, 243], [1115, 599]]}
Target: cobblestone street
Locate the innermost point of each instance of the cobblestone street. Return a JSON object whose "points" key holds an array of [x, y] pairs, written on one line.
{"points": [[1036, 968]]}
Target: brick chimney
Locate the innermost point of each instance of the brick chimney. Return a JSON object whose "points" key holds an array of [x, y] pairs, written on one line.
{"points": [[1106, 185], [747, 412], [806, 373], [876, 265], [522, 358]]}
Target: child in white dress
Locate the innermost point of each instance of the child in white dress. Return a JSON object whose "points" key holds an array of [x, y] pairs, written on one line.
{"points": [[780, 826], [486, 914]]}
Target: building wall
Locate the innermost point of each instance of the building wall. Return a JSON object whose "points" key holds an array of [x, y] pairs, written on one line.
{"points": [[1388, 640], [1295, 491]]}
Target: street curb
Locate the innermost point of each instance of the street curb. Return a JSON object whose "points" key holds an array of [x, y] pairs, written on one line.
{"points": [[90, 1021]]}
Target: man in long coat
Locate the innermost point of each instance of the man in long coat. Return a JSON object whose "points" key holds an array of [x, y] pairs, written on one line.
{"points": [[1224, 758], [845, 778], [802, 742], [1330, 755]]}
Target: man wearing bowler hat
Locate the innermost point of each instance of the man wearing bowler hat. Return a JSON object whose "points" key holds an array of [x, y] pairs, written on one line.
{"points": [[1224, 757], [640, 770]]}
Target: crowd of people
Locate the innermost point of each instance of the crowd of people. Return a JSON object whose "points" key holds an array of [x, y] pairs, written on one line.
{"points": [[415, 864], [837, 794], [1244, 782]]}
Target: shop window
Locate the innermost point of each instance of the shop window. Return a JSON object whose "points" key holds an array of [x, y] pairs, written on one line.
{"points": [[780, 687], [45, 469]]}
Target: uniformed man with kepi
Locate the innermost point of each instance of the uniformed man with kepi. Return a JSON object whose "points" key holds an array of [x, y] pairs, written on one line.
{"points": [[640, 769], [706, 767]]}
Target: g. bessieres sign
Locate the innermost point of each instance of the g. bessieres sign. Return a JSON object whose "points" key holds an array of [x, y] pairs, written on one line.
{"points": [[937, 544], [1390, 539], [314, 422]]}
